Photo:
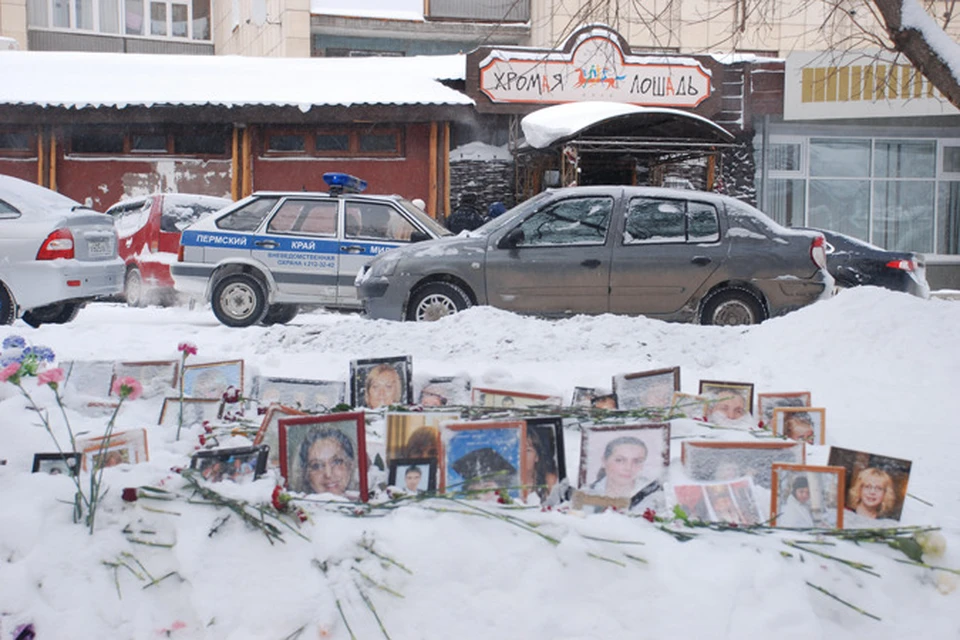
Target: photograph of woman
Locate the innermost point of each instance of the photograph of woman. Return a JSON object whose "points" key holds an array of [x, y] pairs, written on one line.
{"points": [[324, 455], [872, 494], [876, 485], [626, 463], [381, 382], [540, 454]]}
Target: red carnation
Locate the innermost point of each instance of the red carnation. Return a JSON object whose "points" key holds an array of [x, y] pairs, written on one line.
{"points": [[650, 515], [130, 494], [279, 499], [203, 439]]}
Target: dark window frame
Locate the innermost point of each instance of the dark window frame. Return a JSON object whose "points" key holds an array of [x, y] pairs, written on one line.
{"points": [[354, 134], [29, 152], [170, 134]]}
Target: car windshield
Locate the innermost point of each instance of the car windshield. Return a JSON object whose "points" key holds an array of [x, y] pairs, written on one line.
{"points": [[519, 211], [182, 210], [435, 227]]}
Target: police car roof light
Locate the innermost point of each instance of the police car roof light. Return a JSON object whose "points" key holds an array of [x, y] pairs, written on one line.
{"points": [[344, 182]]}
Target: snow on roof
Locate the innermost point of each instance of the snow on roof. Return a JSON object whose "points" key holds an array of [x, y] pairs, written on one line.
{"points": [[387, 9], [546, 126], [480, 151], [82, 80]]}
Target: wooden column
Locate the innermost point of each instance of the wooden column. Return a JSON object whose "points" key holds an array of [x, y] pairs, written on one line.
{"points": [[53, 161], [41, 158], [432, 188], [446, 170], [247, 161], [235, 165], [711, 171]]}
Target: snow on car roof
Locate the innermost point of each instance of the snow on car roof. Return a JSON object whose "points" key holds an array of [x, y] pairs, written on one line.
{"points": [[85, 79], [27, 196]]}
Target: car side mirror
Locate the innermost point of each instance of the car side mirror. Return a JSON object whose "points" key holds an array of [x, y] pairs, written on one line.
{"points": [[512, 240], [418, 236]]}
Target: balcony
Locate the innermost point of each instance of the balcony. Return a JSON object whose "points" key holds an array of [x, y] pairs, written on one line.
{"points": [[473, 11]]}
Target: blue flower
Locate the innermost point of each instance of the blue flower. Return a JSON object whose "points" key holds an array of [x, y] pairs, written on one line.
{"points": [[14, 342], [10, 359], [42, 354]]}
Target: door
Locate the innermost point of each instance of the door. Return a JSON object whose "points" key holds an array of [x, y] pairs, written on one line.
{"points": [[665, 252], [561, 265], [369, 229], [300, 248]]}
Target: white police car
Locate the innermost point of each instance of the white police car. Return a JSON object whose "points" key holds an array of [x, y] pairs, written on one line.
{"points": [[258, 260]]}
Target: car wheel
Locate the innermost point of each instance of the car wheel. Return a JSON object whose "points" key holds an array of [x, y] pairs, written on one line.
{"points": [[436, 300], [280, 314], [57, 313], [732, 306], [7, 315], [133, 288], [239, 300]]}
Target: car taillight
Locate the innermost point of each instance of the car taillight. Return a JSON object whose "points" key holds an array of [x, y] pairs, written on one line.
{"points": [[58, 244], [180, 254], [903, 265], [818, 252]]}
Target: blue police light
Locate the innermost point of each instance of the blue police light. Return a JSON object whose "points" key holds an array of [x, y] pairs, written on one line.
{"points": [[341, 182]]}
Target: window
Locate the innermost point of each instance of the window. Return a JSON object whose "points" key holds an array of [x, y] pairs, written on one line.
{"points": [[336, 142], [248, 216], [96, 142], [16, 143], [286, 144], [201, 144], [376, 220], [8, 211], [573, 221], [148, 142], [305, 216], [208, 141], [130, 217], [358, 142], [660, 221], [167, 19]]}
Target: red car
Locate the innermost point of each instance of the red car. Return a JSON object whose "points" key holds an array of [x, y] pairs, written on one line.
{"points": [[149, 231]]}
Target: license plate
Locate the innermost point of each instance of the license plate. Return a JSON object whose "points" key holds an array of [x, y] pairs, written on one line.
{"points": [[98, 248]]}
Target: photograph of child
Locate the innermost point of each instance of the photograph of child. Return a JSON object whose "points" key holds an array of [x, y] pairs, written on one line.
{"points": [[806, 497], [413, 475]]}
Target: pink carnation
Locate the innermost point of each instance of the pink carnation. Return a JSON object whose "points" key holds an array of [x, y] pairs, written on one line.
{"points": [[50, 376], [187, 348], [9, 371], [127, 387]]}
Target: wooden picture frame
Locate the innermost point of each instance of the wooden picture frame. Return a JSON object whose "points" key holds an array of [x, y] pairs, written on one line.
{"points": [[546, 457], [212, 379], [122, 447], [602, 447], [443, 392], [387, 382], [731, 502], [820, 506], [767, 402], [67, 463], [298, 393], [688, 405], [482, 458], [237, 464], [721, 461], [416, 434], [808, 424], [92, 378], [507, 399], [269, 432], [646, 389], [157, 377], [730, 403], [338, 440], [876, 485], [583, 396], [195, 411], [405, 468]]}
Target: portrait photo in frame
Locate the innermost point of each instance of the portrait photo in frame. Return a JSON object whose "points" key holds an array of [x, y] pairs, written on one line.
{"points": [[269, 432], [722, 461], [767, 402], [486, 397], [875, 485], [67, 464], [211, 379], [807, 424], [236, 464], [416, 434], [482, 458], [195, 411], [413, 475], [646, 389], [688, 405], [378, 383], [157, 377], [729, 403], [582, 396], [296, 393], [442, 392], [325, 454], [546, 458], [807, 496], [625, 461], [731, 502], [122, 447], [87, 378]]}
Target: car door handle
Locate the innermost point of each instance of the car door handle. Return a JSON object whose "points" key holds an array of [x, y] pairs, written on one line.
{"points": [[590, 264], [351, 248], [701, 260], [267, 244]]}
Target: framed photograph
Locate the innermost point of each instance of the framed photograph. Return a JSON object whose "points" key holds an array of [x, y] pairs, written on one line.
{"points": [[688, 405], [195, 411], [767, 402], [157, 377], [304, 395], [729, 403], [483, 458], [380, 382], [238, 464], [123, 447], [876, 485], [210, 380], [269, 432], [87, 378], [731, 502], [545, 456], [413, 475], [484, 397], [57, 463], [807, 424], [325, 454], [416, 434], [805, 496], [583, 396], [646, 389], [442, 392], [720, 461], [625, 461]]}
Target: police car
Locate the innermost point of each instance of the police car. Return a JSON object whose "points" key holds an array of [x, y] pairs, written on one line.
{"points": [[262, 258]]}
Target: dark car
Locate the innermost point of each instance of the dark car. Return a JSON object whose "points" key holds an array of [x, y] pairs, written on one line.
{"points": [[664, 253], [853, 263]]}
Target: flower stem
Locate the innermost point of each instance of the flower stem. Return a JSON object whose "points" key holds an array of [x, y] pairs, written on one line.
{"points": [[344, 618], [96, 475], [844, 602], [796, 544]]}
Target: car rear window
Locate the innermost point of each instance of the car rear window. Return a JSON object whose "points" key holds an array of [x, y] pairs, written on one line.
{"points": [[247, 216], [179, 212], [664, 220]]}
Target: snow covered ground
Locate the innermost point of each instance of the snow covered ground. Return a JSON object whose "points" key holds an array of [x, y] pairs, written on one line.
{"points": [[886, 366]]}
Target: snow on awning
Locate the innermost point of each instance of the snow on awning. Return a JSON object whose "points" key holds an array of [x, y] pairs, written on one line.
{"points": [[83, 80], [561, 122]]}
